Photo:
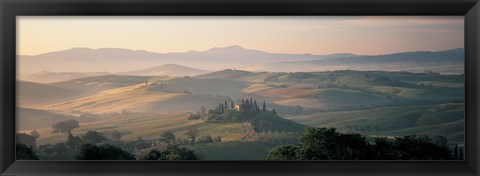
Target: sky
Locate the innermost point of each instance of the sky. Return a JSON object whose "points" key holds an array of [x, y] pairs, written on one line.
{"points": [[369, 35]]}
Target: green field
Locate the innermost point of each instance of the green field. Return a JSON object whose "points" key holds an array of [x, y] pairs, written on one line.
{"points": [[150, 126], [442, 119], [373, 103]]}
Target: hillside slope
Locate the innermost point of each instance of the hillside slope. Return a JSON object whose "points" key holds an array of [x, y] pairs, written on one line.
{"points": [[442, 119], [137, 98], [30, 93], [173, 70], [35, 119], [47, 77]]}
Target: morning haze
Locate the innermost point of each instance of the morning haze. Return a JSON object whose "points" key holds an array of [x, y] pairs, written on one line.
{"points": [[240, 88], [369, 35]]}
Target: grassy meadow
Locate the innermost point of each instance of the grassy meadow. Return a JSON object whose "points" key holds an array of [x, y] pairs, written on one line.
{"points": [[240, 88], [373, 103]]}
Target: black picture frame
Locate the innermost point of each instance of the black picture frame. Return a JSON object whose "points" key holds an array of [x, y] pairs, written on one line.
{"points": [[9, 9]]}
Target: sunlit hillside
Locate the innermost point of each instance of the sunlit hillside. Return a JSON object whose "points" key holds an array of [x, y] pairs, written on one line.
{"points": [[247, 111]]}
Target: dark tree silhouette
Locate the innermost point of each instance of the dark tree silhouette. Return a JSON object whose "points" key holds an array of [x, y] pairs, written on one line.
{"points": [[455, 151], [251, 104], [88, 151], [167, 138], [264, 107], [327, 144], [35, 134], [460, 154], [65, 126], [284, 152], [73, 141], [419, 148], [173, 152], [243, 105], [59, 151], [94, 137], [383, 148], [23, 152]]}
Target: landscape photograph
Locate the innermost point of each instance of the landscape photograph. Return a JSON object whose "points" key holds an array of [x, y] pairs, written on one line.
{"points": [[240, 88]]}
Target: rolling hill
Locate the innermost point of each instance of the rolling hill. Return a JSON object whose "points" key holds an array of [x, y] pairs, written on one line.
{"points": [[150, 125], [142, 94], [203, 86], [173, 70], [97, 84], [242, 75], [442, 119], [47, 77], [35, 119], [30, 93], [316, 90], [137, 98], [375, 102]]}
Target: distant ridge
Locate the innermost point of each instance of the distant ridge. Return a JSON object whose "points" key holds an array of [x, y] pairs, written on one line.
{"points": [[445, 62], [218, 58]]}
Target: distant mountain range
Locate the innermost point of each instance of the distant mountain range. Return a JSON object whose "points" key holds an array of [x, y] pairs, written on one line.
{"points": [[122, 60], [454, 55], [445, 62], [115, 60]]}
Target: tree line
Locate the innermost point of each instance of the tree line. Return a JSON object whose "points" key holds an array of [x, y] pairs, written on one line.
{"points": [[95, 145], [192, 137], [328, 144], [244, 110], [247, 110]]}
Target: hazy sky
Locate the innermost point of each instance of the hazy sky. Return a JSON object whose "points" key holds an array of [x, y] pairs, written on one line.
{"points": [[315, 35]]}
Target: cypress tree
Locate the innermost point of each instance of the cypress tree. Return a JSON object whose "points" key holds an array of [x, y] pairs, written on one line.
{"points": [[251, 104], [455, 152], [264, 108], [460, 155], [243, 105]]}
